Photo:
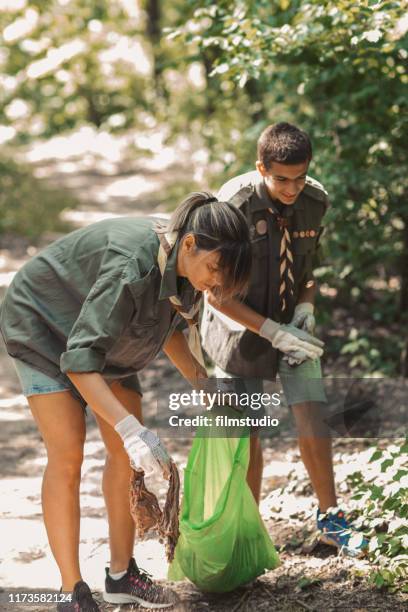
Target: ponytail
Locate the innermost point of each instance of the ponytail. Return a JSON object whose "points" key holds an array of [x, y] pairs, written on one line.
{"points": [[179, 219], [217, 226]]}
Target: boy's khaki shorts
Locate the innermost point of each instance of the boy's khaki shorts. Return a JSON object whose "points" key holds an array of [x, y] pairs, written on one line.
{"points": [[303, 383]]}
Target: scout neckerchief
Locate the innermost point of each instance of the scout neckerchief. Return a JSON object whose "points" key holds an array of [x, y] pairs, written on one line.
{"points": [[286, 279], [167, 242]]}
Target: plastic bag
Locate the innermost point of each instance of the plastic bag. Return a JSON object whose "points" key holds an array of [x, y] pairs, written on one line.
{"points": [[223, 541]]}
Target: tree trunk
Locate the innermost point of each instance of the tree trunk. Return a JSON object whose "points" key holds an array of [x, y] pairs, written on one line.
{"points": [[208, 59], [153, 20], [153, 27], [255, 95], [403, 306], [404, 271]]}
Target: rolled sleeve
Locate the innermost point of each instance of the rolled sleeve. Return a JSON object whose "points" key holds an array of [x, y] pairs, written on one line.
{"points": [[82, 360], [105, 315]]}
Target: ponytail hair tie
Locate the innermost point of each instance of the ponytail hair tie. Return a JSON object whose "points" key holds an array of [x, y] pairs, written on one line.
{"points": [[211, 199]]}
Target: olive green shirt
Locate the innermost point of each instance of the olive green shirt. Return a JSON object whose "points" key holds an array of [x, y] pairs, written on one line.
{"points": [[245, 353], [94, 301]]}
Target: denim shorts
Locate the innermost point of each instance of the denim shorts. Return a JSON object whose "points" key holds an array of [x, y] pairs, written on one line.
{"points": [[34, 382], [300, 384]]}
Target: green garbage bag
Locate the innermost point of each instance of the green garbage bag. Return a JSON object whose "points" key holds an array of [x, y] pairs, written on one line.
{"points": [[223, 541]]}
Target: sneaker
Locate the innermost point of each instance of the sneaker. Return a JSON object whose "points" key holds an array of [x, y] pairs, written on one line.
{"points": [[82, 600], [337, 531], [136, 586]]}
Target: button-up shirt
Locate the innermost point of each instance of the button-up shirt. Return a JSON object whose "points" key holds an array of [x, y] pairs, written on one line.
{"points": [[245, 353], [94, 301]]}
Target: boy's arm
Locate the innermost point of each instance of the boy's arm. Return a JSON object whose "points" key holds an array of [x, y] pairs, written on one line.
{"points": [[238, 311], [285, 338], [308, 294]]}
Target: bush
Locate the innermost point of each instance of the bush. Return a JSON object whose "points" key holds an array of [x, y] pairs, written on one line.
{"points": [[381, 499], [28, 205]]}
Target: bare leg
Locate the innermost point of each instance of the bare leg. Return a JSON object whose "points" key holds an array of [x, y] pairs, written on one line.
{"points": [[255, 467], [316, 451], [115, 484], [60, 419]]}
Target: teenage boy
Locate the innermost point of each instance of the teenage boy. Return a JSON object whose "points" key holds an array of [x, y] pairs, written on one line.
{"points": [[272, 330]]}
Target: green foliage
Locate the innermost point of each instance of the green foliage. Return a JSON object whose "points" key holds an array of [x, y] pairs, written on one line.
{"points": [[368, 353], [305, 583], [64, 64], [218, 73], [338, 70], [381, 497], [28, 205], [176, 193]]}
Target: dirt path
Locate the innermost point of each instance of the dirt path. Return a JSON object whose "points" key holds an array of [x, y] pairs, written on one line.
{"points": [[313, 578]]}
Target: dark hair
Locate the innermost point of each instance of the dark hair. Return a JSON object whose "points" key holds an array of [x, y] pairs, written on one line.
{"points": [[285, 144], [217, 226]]}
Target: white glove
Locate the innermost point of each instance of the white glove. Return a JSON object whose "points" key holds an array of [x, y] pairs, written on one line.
{"points": [[290, 340], [303, 317], [144, 448]]}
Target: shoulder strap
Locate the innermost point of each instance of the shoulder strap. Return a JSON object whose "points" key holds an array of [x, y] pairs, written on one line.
{"points": [[241, 196], [315, 190]]}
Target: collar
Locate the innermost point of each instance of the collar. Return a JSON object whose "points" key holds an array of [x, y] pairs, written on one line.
{"points": [[168, 285], [263, 200]]}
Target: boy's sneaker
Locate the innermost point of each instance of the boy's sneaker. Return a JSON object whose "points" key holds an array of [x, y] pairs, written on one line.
{"points": [[136, 586], [337, 531], [82, 600]]}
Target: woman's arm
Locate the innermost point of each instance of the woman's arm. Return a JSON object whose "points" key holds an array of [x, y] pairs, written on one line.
{"points": [[98, 395], [143, 447], [238, 311]]}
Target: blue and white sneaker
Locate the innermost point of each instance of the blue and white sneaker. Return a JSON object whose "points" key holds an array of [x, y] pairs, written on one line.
{"points": [[337, 531]]}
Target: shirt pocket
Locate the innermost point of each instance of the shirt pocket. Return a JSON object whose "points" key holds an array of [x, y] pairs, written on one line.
{"points": [[259, 247], [146, 317], [145, 292], [147, 342], [257, 296], [136, 347], [145, 329], [141, 340], [301, 246], [303, 249]]}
